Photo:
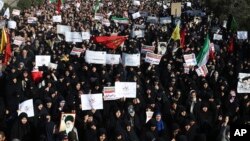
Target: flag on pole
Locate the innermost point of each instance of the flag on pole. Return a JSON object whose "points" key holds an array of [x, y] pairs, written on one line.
{"points": [[176, 33], [58, 9], [97, 6], [120, 20], [111, 42], [7, 54], [230, 48], [234, 25], [3, 40], [7, 13], [183, 36], [203, 55]]}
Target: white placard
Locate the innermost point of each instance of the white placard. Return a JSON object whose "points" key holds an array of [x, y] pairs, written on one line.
{"points": [[126, 89], [12, 24], [165, 20], [91, 101], [149, 115], [18, 40], [136, 3], [75, 37], [32, 20], [62, 29], [189, 4], [186, 68], [113, 59], [243, 83], [138, 26], [52, 66], [42, 60], [95, 57], [106, 22], [16, 12], [109, 94], [202, 71], [26, 107], [85, 35], [153, 58], [242, 35], [190, 59], [136, 15], [57, 19], [132, 60], [138, 33], [152, 19], [2, 23], [76, 51], [98, 16], [217, 37]]}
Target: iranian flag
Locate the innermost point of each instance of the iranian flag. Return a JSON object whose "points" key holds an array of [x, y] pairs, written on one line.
{"points": [[203, 55], [120, 20]]}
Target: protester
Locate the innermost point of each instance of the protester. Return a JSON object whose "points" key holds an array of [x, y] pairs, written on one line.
{"points": [[187, 102]]}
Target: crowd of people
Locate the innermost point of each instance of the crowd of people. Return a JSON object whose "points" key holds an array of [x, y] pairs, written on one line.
{"points": [[186, 107]]}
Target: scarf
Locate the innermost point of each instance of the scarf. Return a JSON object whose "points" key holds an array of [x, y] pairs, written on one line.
{"points": [[160, 125]]}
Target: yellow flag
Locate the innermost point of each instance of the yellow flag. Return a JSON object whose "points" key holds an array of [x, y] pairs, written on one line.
{"points": [[176, 34], [3, 40]]}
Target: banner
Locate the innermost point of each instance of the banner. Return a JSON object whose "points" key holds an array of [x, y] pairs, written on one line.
{"points": [[242, 35], [62, 29], [132, 60], [85, 35], [109, 94], [165, 20], [176, 9], [144, 13], [16, 12], [120, 20], [126, 89], [243, 83], [136, 15], [12, 24], [76, 51], [202, 71], [162, 48], [217, 37], [95, 57], [147, 48], [113, 59], [42, 60], [153, 58], [190, 59], [26, 107], [57, 19], [67, 122], [91, 101], [32, 20]]}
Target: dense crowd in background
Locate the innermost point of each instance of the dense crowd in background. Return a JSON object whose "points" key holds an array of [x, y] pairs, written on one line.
{"points": [[186, 107]]}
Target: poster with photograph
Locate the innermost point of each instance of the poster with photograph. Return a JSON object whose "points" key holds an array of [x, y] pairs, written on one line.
{"points": [[162, 48], [243, 83], [67, 122]]}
